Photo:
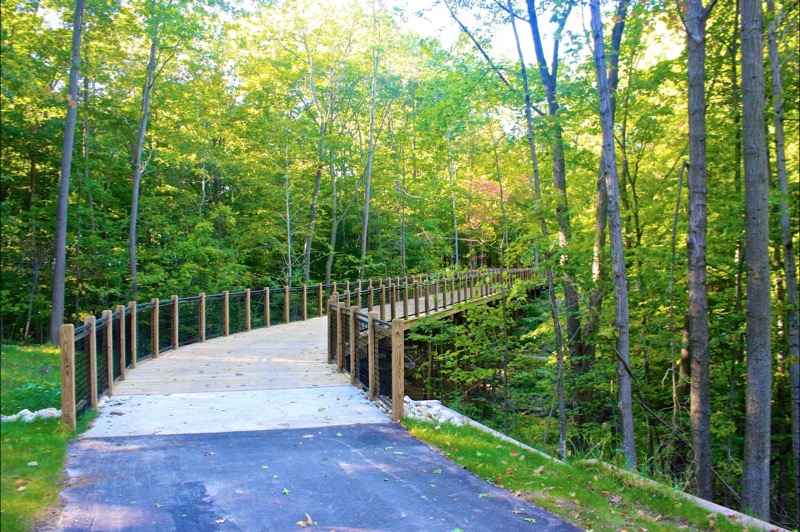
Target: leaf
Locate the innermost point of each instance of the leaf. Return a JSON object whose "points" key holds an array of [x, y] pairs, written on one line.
{"points": [[483, 495], [529, 519], [285, 491], [307, 522], [538, 470], [437, 471]]}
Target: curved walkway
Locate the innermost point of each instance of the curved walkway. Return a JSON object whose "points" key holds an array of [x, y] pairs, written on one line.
{"points": [[256, 432]]}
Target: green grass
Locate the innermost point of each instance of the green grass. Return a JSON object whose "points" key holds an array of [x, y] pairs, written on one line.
{"points": [[588, 495], [30, 378]]}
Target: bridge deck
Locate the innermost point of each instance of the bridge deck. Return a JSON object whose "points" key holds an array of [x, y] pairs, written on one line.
{"points": [[278, 357]]}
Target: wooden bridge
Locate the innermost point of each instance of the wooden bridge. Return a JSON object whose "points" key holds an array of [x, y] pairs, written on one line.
{"points": [[104, 356]]}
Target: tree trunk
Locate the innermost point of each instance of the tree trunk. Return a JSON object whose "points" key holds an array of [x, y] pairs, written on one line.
{"points": [[60, 266], [756, 475], [536, 186], [789, 269], [549, 83], [370, 152], [583, 396], [615, 233], [696, 17], [334, 226], [138, 165]]}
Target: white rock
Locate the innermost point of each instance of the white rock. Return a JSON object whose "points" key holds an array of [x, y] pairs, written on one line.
{"points": [[49, 413], [27, 418], [33, 464]]}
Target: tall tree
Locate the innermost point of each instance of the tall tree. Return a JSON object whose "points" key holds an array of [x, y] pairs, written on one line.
{"points": [[60, 266], [615, 232], [548, 74], [695, 26], [756, 475], [789, 269], [376, 56]]}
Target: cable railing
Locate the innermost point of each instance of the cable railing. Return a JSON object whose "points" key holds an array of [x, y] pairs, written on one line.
{"points": [[98, 353], [368, 328]]}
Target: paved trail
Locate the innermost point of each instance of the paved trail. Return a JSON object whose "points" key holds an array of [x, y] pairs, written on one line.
{"points": [[253, 432]]}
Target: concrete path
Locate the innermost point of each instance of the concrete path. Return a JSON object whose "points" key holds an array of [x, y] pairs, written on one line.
{"points": [[253, 432]]}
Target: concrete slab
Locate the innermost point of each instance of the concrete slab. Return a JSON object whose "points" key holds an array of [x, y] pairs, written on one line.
{"points": [[213, 412], [358, 477]]}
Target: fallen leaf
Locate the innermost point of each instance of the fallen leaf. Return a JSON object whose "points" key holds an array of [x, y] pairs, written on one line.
{"points": [[518, 512], [514, 454], [209, 453], [538, 470], [483, 495], [219, 521], [285, 491], [529, 519], [21, 488], [307, 522]]}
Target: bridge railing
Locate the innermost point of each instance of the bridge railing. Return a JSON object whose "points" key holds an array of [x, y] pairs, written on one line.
{"points": [[367, 329], [98, 353]]}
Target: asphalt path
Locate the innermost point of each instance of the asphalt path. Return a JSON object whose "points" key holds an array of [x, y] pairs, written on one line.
{"points": [[306, 451]]}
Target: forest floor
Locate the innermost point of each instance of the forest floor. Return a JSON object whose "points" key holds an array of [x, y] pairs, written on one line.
{"points": [[586, 494]]}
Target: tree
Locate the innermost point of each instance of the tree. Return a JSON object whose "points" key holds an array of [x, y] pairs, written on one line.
{"points": [[615, 232], [695, 25], [756, 477], [60, 267]]}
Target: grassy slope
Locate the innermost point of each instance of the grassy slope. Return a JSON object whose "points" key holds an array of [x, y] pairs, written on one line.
{"points": [[587, 495], [27, 376]]}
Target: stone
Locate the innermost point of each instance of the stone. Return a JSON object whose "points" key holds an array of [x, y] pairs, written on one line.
{"points": [[49, 413]]}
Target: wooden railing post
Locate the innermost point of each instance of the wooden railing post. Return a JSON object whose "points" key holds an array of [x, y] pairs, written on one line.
{"points": [[109, 351], [353, 344], [398, 370], [436, 295], [287, 302], [347, 293], [320, 296], [305, 302], [68, 414], [358, 294], [427, 297], [334, 300], [415, 289], [176, 333], [405, 299], [266, 307], [225, 313], [382, 288], [392, 300], [134, 334], [154, 327], [90, 320], [373, 377], [339, 338], [122, 358], [247, 324], [370, 297], [202, 317]]}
